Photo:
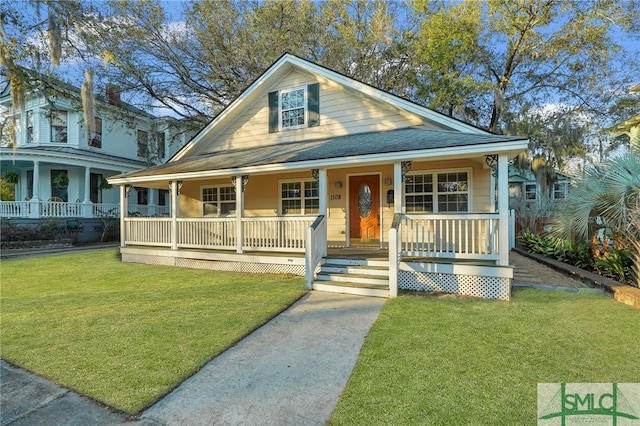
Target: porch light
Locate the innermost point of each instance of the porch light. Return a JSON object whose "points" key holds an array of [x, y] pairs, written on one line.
{"points": [[315, 173], [388, 181], [338, 184]]}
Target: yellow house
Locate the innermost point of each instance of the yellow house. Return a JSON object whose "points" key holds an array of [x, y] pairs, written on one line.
{"points": [[313, 173]]}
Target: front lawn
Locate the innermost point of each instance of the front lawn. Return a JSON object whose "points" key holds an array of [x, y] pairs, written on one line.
{"points": [[478, 362], [125, 334]]}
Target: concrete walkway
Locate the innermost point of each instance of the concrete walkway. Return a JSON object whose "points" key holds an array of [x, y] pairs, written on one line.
{"points": [[290, 371]]}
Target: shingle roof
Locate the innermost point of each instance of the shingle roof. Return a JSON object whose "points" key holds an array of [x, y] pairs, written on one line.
{"points": [[393, 141], [80, 152]]}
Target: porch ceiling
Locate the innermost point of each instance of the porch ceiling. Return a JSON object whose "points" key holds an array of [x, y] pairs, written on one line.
{"points": [[364, 145]]}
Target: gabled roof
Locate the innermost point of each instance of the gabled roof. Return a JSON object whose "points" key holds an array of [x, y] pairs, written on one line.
{"points": [[393, 145], [284, 65]]}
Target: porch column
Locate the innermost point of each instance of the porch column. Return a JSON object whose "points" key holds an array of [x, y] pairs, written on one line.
{"points": [[123, 214], [492, 195], [398, 199], [322, 190], [174, 215], [86, 203], [503, 210], [239, 212], [34, 205], [151, 202]]}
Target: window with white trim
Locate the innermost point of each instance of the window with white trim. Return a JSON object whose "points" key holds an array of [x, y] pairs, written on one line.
{"points": [[30, 126], [59, 128], [95, 137], [437, 192], [531, 192], [560, 190], [143, 144], [218, 201], [299, 197], [293, 108]]}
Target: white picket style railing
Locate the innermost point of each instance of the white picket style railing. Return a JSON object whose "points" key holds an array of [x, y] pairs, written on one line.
{"points": [[207, 233], [60, 209], [275, 233], [316, 247], [149, 231], [15, 208], [460, 236]]}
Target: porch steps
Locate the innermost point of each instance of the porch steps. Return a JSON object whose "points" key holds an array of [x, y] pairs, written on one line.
{"points": [[354, 276]]}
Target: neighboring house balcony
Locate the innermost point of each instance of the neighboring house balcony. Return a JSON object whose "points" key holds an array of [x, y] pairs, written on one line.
{"points": [[60, 209]]}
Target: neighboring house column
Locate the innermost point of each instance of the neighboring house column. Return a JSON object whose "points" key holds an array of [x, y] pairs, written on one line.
{"points": [[503, 209], [322, 190], [35, 199], [87, 205], [153, 208], [174, 214]]}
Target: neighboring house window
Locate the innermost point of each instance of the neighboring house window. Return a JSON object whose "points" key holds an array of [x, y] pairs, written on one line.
{"points": [[95, 194], [143, 196], [294, 108], [515, 190], [30, 184], [95, 137], [161, 145], [29, 126], [437, 192], [560, 190], [143, 144], [299, 197], [59, 126], [531, 192], [163, 196], [59, 192], [218, 201]]}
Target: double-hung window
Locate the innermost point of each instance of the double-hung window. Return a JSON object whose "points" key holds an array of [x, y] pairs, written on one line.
{"points": [[59, 126], [95, 136], [437, 192], [143, 144], [560, 191], [293, 111], [530, 192], [29, 126], [218, 201], [299, 197]]}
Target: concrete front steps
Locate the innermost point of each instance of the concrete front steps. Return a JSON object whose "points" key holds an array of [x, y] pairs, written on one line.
{"points": [[354, 276]]}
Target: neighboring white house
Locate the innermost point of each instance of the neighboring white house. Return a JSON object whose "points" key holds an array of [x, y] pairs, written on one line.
{"points": [[61, 167], [313, 173]]}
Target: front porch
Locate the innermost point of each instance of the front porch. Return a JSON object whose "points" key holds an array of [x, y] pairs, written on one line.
{"points": [[455, 253]]}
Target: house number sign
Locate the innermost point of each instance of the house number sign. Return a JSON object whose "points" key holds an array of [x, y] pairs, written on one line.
{"points": [[336, 197]]}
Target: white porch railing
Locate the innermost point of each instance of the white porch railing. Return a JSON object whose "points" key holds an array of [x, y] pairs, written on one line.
{"points": [[316, 242], [207, 233], [15, 209], [286, 234], [149, 231], [148, 211], [60, 209], [275, 233], [460, 236], [105, 209]]}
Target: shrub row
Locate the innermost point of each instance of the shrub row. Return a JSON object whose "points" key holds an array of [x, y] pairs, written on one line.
{"points": [[615, 263]]}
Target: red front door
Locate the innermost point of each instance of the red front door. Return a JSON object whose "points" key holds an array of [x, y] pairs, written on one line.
{"points": [[364, 208]]}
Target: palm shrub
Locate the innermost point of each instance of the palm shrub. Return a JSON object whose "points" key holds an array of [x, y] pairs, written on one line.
{"points": [[607, 197]]}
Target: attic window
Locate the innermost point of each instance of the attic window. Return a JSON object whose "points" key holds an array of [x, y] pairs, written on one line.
{"points": [[294, 108]]}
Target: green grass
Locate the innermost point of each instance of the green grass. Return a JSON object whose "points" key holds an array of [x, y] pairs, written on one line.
{"points": [[477, 362], [125, 334]]}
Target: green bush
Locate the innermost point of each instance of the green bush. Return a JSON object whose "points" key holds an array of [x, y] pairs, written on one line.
{"points": [[46, 230], [616, 264]]}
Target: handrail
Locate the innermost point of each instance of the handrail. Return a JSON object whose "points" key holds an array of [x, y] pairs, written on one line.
{"points": [[315, 247]]}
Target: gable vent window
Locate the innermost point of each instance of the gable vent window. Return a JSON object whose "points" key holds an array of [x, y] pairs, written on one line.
{"points": [[294, 108]]}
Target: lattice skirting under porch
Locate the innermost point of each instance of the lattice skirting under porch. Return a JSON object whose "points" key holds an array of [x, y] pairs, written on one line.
{"points": [[469, 285], [249, 267]]}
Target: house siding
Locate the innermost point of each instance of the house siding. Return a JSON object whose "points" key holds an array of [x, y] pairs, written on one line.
{"points": [[342, 111]]}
